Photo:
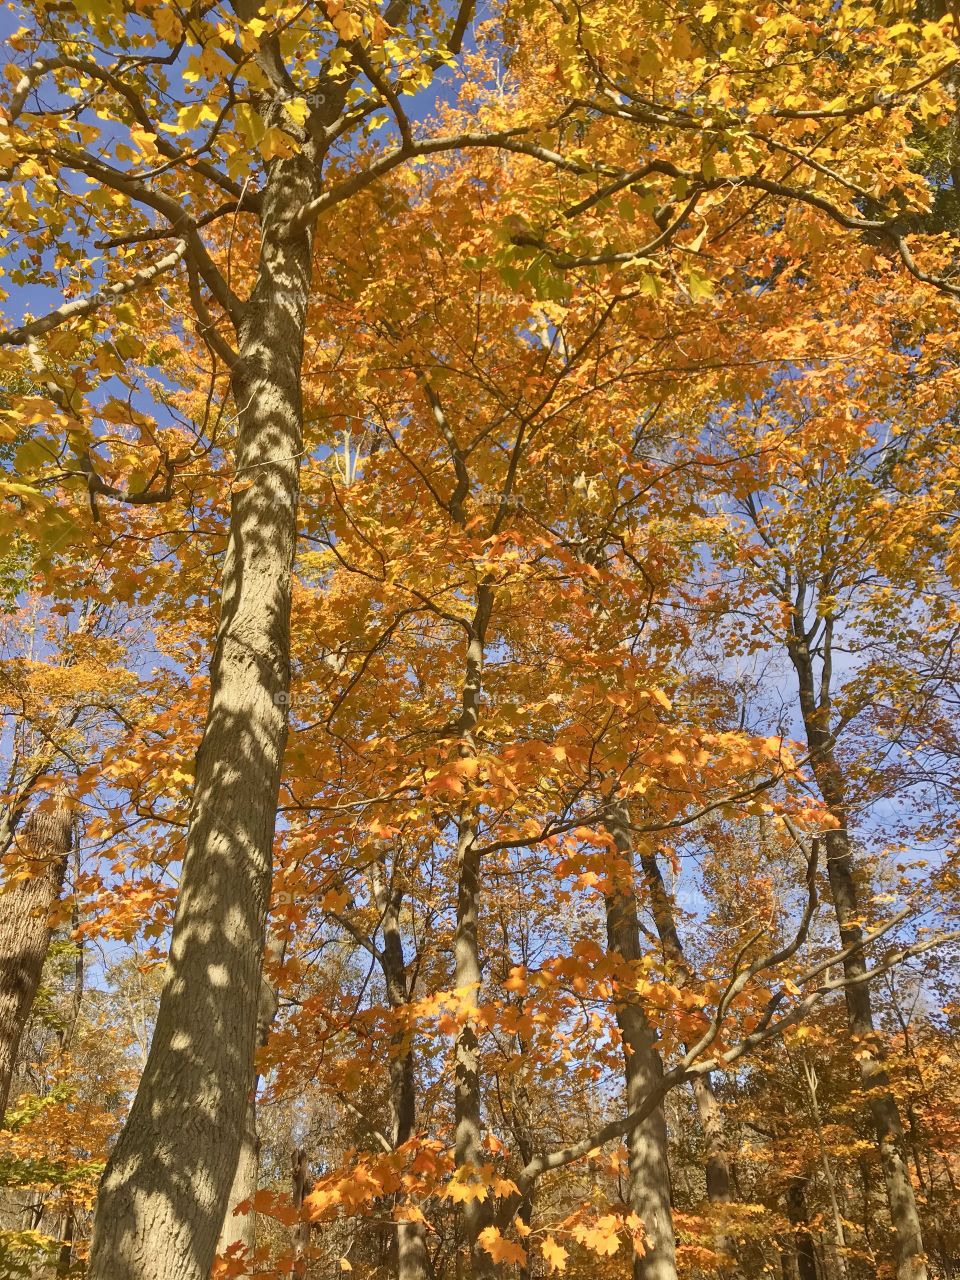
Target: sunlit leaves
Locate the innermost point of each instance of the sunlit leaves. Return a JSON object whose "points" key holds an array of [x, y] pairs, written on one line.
{"points": [[500, 1249]]}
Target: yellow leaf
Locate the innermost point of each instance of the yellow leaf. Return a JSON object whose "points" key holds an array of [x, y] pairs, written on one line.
{"points": [[249, 123], [505, 1187], [460, 1192], [500, 1250], [277, 143], [23, 491], [347, 25], [274, 1205], [166, 23], [336, 900], [408, 1213], [147, 142], [554, 1255], [517, 980], [602, 1237], [681, 45], [297, 109]]}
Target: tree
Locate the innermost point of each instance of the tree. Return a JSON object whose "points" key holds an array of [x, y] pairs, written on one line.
{"points": [[498, 658], [64, 687], [378, 660], [206, 1026], [817, 541], [44, 845]]}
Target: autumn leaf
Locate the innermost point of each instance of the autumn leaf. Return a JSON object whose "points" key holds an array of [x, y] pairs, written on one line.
{"points": [[461, 1192], [601, 1237], [273, 1205], [499, 1249], [555, 1255], [275, 142]]}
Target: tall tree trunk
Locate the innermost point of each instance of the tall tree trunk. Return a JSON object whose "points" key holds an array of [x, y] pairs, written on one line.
{"points": [[788, 1262], [803, 1248], [517, 1114], [241, 1228], [24, 929], [649, 1174], [648, 1170], [69, 1029], [815, 711], [810, 1078], [468, 1149], [165, 1188], [67, 1232], [300, 1184], [412, 1257], [718, 1180]]}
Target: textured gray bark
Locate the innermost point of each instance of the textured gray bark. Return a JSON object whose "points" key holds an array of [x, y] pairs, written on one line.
{"points": [[241, 1228], [468, 1149], [815, 711], [804, 1256], [649, 1173], [300, 1187], [45, 842], [164, 1192], [718, 1179], [412, 1257]]}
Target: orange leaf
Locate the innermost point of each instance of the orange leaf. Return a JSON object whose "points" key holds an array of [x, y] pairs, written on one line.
{"points": [[500, 1250], [555, 1255]]}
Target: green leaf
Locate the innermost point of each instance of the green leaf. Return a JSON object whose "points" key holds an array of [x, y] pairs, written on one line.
{"points": [[700, 287]]}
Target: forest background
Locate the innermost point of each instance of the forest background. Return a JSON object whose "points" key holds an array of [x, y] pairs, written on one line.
{"points": [[479, 618]]}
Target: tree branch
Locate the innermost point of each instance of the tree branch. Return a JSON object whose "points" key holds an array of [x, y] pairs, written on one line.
{"points": [[80, 307]]}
